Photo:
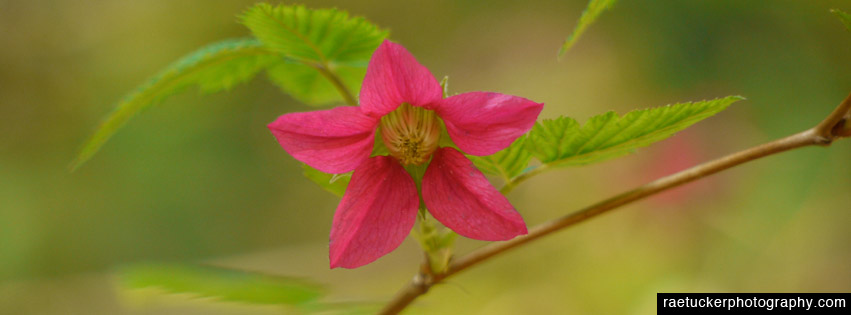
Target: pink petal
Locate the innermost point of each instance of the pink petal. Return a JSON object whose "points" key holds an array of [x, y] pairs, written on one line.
{"points": [[394, 77], [376, 213], [459, 196], [333, 141], [482, 123]]}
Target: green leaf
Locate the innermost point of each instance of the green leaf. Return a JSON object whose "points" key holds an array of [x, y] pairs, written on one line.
{"points": [[216, 67], [562, 142], [592, 11], [314, 40], [844, 17], [333, 183], [221, 283], [507, 163], [307, 85], [328, 37]]}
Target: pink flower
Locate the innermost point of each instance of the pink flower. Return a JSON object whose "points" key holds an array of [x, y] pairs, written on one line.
{"points": [[403, 101]]}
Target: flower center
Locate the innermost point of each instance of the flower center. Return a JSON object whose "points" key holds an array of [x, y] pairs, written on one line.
{"points": [[410, 133]]}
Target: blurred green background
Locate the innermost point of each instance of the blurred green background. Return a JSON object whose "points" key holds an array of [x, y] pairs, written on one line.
{"points": [[199, 177]]}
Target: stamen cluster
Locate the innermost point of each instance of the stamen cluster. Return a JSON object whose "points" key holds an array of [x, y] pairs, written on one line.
{"points": [[411, 134]]}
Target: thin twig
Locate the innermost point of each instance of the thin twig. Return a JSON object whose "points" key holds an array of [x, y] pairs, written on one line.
{"points": [[832, 128]]}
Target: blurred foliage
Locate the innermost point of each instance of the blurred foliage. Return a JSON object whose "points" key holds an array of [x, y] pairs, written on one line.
{"points": [[220, 283], [844, 17], [594, 9], [202, 179]]}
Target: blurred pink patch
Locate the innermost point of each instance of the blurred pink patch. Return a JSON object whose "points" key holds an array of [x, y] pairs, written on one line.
{"points": [[678, 153], [403, 101]]}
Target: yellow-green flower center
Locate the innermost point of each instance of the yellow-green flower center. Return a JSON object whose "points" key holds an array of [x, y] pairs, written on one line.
{"points": [[411, 134]]}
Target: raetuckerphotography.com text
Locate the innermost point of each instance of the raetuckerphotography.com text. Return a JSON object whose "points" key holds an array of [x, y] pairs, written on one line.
{"points": [[812, 303]]}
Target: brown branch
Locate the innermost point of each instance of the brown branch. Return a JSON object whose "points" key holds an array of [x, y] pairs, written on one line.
{"points": [[833, 127], [419, 285]]}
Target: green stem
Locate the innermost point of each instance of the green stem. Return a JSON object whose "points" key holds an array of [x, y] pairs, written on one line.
{"points": [[336, 81]]}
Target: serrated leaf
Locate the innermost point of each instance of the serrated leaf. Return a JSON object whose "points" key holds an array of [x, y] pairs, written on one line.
{"points": [[327, 36], [844, 17], [215, 67], [313, 40], [507, 163], [333, 183], [307, 85], [562, 142], [592, 11], [221, 283]]}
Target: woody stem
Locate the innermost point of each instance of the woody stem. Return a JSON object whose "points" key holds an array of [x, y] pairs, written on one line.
{"points": [[834, 127]]}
